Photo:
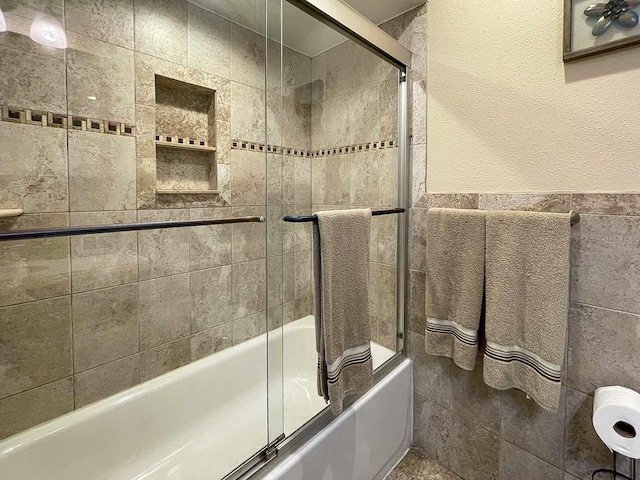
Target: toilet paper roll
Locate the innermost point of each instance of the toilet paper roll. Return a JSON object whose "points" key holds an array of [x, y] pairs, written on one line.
{"points": [[616, 418]]}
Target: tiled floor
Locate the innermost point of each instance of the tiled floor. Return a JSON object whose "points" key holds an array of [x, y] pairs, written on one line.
{"points": [[416, 466]]}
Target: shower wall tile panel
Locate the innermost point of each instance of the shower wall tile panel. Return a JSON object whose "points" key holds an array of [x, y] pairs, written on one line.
{"points": [[33, 167], [163, 252], [249, 327], [210, 298], [100, 80], [212, 340], [275, 281], [247, 57], [102, 172], [275, 231], [110, 21], [164, 310], [34, 270], [247, 113], [105, 380], [248, 288], [105, 325], [35, 406], [164, 358], [105, 260], [32, 77], [209, 42], [248, 239], [161, 29], [247, 178], [36, 339]]}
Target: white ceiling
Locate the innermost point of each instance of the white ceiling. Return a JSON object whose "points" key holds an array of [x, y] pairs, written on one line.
{"points": [[300, 31]]}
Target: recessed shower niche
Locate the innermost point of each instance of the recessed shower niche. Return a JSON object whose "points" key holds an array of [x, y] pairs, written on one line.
{"points": [[185, 138]]}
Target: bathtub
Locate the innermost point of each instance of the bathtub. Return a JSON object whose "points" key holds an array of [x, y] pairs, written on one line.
{"points": [[364, 443], [198, 422]]}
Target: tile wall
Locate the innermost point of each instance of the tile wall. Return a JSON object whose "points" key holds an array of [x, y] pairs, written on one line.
{"points": [[481, 433], [86, 317]]}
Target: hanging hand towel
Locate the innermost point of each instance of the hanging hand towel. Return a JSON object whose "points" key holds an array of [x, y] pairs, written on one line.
{"points": [[455, 283], [341, 282], [527, 297]]}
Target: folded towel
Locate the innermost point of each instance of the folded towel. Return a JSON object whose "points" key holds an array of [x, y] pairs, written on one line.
{"points": [[527, 301], [341, 282], [455, 283]]}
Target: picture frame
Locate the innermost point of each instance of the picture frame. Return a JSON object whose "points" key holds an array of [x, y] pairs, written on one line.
{"points": [[579, 41]]}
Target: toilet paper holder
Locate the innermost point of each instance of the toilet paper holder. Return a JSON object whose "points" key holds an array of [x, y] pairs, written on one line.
{"points": [[617, 475]]}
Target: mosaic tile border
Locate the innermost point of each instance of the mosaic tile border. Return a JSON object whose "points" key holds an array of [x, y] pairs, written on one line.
{"points": [[325, 152], [59, 120], [175, 140]]}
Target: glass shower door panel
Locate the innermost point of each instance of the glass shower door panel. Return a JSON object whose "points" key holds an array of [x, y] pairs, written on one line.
{"points": [[340, 109], [153, 111]]}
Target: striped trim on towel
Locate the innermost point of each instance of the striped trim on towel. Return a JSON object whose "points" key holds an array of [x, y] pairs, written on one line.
{"points": [[350, 357], [448, 327], [509, 354]]}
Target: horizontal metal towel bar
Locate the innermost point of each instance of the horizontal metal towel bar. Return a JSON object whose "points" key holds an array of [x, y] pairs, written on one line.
{"points": [[314, 218], [575, 216], [125, 227]]}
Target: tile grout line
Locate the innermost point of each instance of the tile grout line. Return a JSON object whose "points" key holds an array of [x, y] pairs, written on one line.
{"points": [[499, 436]]}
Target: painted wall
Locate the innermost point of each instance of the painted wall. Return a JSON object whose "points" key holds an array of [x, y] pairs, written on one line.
{"points": [[505, 114]]}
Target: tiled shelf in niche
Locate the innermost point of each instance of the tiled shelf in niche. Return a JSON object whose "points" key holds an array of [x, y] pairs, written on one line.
{"points": [[187, 192], [184, 146], [185, 139]]}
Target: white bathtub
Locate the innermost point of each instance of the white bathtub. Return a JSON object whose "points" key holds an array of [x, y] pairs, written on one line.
{"points": [[365, 442], [196, 423]]}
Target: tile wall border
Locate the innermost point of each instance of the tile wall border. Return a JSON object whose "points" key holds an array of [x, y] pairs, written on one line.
{"points": [[43, 118]]}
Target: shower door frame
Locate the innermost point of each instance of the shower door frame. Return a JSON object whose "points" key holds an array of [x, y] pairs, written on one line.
{"points": [[356, 27]]}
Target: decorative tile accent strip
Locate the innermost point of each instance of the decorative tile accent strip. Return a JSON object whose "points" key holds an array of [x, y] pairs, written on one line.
{"points": [[61, 120], [251, 146], [363, 147], [182, 140]]}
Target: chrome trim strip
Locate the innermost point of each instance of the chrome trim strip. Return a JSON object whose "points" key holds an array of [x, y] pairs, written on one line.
{"points": [[404, 201]]}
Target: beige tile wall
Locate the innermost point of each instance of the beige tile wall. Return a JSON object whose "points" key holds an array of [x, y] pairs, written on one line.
{"points": [[87, 317], [517, 435], [478, 432]]}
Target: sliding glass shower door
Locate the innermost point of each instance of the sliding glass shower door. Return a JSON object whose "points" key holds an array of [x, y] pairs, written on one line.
{"points": [[149, 152], [340, 143], [117, 120]]}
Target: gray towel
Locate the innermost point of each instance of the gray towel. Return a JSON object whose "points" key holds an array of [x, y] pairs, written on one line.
{"points": [[527, 301], [455, 283], [341, 281]]}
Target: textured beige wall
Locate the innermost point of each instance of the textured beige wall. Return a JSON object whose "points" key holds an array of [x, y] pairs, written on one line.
{"points": [[506, 115]]}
